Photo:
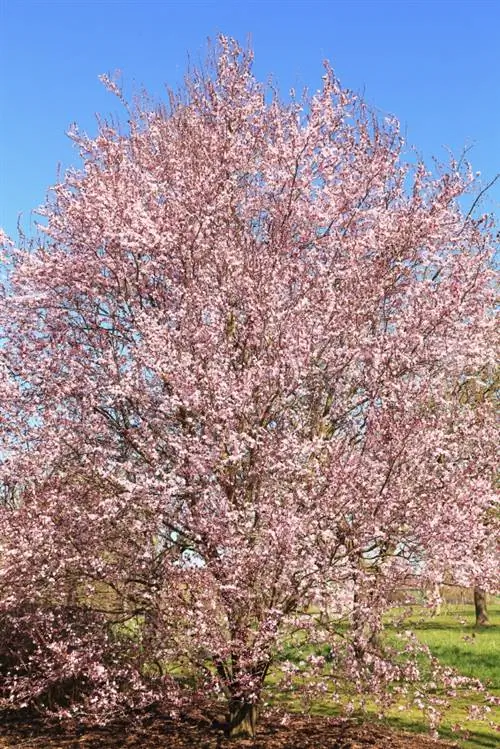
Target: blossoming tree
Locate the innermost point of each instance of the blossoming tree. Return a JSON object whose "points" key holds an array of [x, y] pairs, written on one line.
{"points": [[226, 404]]}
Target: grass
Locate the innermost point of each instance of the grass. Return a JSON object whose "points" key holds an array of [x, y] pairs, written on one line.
{"points": [[454, 641]]}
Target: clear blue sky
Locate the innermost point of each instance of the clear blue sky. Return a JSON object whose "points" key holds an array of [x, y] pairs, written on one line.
{"points": [[433, 64]]}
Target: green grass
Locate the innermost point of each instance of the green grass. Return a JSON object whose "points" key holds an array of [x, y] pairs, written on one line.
{"points": [[454, 641]]}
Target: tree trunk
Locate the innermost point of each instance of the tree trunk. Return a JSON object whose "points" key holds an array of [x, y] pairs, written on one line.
{"points": [[436, 597], [480, 606], [242, 719]]}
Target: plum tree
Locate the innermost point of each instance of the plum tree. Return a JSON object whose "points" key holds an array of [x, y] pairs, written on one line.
{"points": [[225, 397]]}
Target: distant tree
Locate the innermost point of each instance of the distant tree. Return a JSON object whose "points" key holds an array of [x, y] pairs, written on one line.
{"points": [[225, 398], [480, 607], [475, 389]]}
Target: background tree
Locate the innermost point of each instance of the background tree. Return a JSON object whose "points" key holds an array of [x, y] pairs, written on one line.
{"points": [[225, 398], [475, 388], [480, 606]]}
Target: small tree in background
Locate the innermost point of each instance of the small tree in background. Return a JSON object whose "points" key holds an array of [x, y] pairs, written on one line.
{"points": [[476, 389], [226, 403]]}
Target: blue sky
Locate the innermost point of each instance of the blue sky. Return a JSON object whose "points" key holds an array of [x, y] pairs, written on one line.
{"points": [[434, 65]]}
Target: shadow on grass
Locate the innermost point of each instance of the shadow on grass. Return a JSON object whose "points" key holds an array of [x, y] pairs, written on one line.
{"points": [[456, 627], [479, 663], [477, 738]]}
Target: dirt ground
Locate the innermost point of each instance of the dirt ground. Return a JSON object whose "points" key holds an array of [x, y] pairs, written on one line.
{"points": [[296, 733]]}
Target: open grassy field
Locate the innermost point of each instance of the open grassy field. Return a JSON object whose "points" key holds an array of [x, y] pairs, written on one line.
{"points": [[453, 639]]}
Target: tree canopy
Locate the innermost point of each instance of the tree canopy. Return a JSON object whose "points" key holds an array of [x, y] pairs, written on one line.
{"points": [[229, 400]]}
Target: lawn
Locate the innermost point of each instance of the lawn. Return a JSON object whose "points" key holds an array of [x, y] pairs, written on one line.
{"points": [[453, 639]]}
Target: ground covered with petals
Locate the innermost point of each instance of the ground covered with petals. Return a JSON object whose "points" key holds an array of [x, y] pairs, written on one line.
{"points": [[297, 733]]}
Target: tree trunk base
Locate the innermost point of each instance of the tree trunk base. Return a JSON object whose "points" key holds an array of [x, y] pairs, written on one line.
{"points": [[242, 720], [480, 606]]}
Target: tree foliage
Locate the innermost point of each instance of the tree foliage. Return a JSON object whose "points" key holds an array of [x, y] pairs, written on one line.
{"points": [[226, 398]]}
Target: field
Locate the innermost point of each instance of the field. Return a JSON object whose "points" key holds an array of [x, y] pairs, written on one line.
{"points": [[452, 638]]}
